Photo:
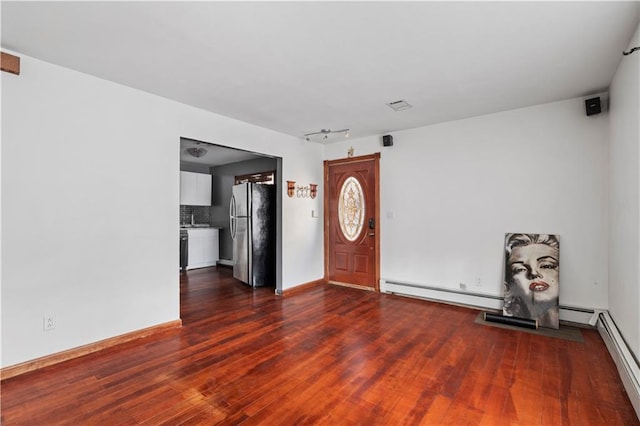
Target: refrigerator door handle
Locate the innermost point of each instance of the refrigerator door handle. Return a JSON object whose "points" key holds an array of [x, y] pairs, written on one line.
{"points": [[232, 217]]}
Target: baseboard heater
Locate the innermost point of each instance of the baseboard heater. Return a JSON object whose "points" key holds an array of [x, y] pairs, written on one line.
{"points": [[625, 361], [476, 300], [471, 299]]}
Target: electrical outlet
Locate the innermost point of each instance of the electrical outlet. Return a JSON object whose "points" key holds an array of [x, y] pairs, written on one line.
{"points": [[478, 282], [49, 323], [463, 286]]}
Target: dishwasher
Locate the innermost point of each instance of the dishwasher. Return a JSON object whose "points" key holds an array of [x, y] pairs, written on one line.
{"points": [[184, 249]]}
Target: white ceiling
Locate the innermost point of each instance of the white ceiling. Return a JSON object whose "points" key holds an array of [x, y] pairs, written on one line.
{"points": [[298, 67], [215, 155]]}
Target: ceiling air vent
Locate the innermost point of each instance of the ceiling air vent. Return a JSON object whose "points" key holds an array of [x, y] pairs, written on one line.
{"points": [[400, 105]]}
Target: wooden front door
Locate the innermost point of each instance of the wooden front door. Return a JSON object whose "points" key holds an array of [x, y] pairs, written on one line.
{"points": [[352, 238]]}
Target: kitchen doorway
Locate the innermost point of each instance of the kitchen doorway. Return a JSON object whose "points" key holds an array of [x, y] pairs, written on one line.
{"points": [[224, 163]]}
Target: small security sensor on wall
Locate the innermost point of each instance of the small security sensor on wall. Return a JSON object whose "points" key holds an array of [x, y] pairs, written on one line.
{"points": [[592, 106], [387, 140], [596, 104]]}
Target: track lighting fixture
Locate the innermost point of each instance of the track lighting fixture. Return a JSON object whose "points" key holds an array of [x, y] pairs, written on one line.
{"points": [[326, 132]]}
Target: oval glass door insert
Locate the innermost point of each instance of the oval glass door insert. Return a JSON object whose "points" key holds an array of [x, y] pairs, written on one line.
{"points": [[351, 208]]}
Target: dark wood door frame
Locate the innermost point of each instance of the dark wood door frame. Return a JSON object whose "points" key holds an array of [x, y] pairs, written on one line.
{"points": [[350, 160]]}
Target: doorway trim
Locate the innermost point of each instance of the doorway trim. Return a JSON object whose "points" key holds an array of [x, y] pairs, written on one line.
{"points": [[375, 157]]}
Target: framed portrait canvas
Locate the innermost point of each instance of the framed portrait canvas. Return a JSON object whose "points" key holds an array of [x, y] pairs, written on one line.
{"points": [[531, 278]]}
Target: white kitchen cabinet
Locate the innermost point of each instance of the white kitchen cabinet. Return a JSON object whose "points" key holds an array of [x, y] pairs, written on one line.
{"points": [[195, 189], [187, 188], [203, 247]]}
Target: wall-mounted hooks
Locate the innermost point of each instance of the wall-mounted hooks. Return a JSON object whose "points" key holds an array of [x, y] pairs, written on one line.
{"points": [[309, 191]]}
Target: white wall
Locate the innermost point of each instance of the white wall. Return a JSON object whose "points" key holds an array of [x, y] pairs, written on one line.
{"points": [[454, 190], [624, 200], [90, 205], [308, 250]]}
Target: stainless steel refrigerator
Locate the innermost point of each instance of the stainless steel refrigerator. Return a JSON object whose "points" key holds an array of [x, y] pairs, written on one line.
{"points": [[252, 221]]}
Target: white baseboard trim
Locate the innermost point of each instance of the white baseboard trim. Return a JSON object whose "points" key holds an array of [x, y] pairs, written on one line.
{"points": [[627, 366], [226, 262]]}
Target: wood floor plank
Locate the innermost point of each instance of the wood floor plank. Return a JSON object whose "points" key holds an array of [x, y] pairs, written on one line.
{"points": [[438, 412], [326, 355]]}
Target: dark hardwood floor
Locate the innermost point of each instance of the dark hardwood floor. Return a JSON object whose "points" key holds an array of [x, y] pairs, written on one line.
{"points": [[329, 355]]}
